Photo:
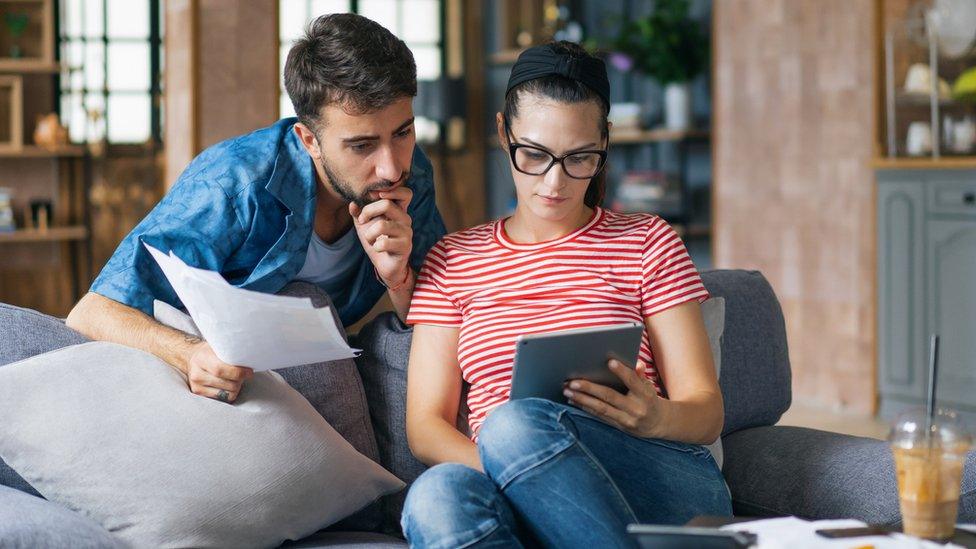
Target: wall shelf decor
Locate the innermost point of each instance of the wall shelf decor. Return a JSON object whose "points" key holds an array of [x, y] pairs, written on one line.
{"points": [[11, 114], [45, 263], [27, 40]]}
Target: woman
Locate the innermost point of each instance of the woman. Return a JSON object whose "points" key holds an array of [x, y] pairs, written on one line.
{"points": [[533, 470]]}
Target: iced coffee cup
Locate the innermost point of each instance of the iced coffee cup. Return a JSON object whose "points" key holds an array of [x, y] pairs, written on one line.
{"points": [[928, 462]]}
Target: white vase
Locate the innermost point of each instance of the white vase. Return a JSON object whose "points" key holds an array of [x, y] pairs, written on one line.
{"points": [[677, 106]]}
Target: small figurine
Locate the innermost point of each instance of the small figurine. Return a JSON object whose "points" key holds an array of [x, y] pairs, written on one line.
{"points": [[49, 133]]}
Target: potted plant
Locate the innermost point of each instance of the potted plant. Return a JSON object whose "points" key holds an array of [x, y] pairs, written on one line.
{"points": [[16, 24], [669, 46]]}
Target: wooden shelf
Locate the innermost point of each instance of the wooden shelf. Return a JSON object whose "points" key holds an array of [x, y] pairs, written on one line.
{"points": [[29, 66], [925, 163], [53, 234], [505, 57], [33, 151], [920, 100], [623, 137]]}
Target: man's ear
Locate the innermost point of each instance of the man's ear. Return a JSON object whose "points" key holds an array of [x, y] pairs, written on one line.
{"points": [[308, 139]]}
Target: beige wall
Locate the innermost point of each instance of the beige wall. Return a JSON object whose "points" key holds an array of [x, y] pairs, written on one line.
{"points": [[794, 96], [221, 74]]}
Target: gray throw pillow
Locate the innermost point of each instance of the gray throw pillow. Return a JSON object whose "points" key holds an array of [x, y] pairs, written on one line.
{"points": [[333, 388], [713, 313], [112, 432]]}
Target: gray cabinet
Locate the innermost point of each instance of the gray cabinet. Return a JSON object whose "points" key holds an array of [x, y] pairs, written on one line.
{"points": [[901, 217], [926, 284], [951, 305]]}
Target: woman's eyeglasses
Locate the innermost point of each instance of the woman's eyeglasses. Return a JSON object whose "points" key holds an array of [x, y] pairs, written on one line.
{"points": [[532, 160]]}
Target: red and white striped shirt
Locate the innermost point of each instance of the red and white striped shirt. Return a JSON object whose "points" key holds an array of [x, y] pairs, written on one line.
{"points": [[617, 268]]}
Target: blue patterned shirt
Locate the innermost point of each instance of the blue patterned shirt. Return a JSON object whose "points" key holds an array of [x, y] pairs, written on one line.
{"points": [[245, 208]]}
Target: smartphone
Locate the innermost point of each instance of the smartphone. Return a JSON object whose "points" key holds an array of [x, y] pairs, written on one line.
{"points": [[677, 537], [853, 532]]}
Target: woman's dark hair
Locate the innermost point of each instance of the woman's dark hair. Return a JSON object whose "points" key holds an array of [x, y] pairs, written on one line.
{"points": [[347, 59], [565, 90]]}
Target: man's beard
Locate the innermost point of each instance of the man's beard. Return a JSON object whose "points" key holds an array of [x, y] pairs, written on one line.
{"points": [[345, 190]]}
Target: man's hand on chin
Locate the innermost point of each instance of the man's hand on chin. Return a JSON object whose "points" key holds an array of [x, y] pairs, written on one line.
{"points": [[384, 228]]}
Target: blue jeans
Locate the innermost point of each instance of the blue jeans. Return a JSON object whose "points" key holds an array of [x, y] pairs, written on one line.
{"points": [[557, 476]]}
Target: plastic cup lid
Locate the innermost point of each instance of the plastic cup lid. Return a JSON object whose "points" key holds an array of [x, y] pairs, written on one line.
{"points": [[947, 430]]}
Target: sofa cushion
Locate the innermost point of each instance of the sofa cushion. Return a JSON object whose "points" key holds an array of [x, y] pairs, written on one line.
{"points": [[383, 367], [778, 471], [713, 315], [347, 540], [756, 376], [334, 388], [29, 522], [114, 433]]}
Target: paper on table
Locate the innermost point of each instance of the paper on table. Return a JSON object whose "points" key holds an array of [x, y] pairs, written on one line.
{"points": [[248, 328], [791, 532]]}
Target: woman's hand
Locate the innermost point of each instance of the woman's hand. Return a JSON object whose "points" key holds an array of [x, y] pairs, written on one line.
{"points": [[639, 412]]}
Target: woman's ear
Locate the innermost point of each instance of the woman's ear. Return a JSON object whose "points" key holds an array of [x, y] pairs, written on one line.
{"points": [[500, 123]]}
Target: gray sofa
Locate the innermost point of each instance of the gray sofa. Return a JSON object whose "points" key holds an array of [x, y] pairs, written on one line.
{"points": [[770, 470]]}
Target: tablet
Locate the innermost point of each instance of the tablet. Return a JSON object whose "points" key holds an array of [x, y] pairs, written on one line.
{"points": [[543, 362], [679, 537]]}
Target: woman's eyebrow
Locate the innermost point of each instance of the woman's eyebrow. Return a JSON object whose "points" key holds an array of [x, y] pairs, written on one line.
{"points": [[541, 146]]}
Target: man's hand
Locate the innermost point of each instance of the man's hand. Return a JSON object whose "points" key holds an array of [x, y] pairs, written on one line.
{"points": [[213, 378], [104, 319], [384, 228], [639, 412]]}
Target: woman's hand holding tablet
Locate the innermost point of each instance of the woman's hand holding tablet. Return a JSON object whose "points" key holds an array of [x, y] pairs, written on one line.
{"points": [[589, 368], [635, 411]]}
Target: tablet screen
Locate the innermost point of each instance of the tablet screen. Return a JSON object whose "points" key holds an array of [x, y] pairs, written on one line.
{"points": [[543, 362]]}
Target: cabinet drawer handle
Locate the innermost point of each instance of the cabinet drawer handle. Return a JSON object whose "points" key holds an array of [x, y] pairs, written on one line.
{"points": [[969, 199]]}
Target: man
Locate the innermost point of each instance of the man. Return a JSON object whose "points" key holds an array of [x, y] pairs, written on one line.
{"points": [[342, 198]]}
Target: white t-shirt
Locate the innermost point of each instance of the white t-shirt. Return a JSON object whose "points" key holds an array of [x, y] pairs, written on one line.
{"points": [[332, 266]]}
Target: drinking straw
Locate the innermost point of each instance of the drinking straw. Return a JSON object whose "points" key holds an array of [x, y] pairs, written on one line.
{"points": [[933, 372]]}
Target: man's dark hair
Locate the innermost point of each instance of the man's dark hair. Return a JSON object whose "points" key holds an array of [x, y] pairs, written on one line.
{"points": [[349, 60]]}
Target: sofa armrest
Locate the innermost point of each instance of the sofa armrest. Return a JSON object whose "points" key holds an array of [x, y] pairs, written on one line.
{"points": [[813, 474], [25, 333], [27, 521]]}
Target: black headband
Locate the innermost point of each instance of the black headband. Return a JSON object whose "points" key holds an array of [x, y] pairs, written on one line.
{"points": [[540, 61]]}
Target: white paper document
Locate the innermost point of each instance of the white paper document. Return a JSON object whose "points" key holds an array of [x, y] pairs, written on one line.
{"points": [[247, 328], [793, 533]]}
